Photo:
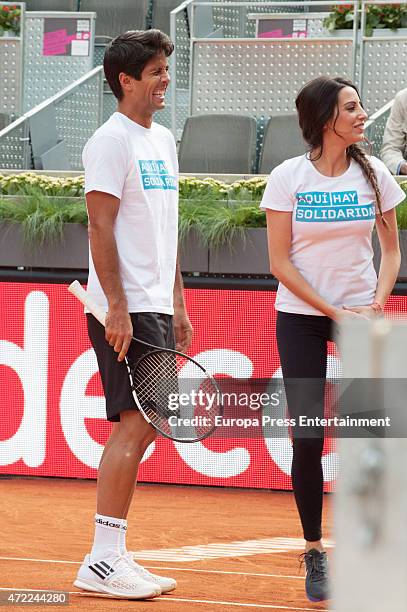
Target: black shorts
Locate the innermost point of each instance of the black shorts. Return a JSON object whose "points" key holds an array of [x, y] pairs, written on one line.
{"points": [[148, 326]]}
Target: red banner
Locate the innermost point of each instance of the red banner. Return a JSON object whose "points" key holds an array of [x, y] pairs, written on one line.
{"points": [[52, 408]]}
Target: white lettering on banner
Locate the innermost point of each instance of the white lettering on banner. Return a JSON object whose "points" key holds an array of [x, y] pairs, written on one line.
{"points": [[330, 462], [197, 456], [31, 365], [280, 449], [29, 442], [75, 407]]}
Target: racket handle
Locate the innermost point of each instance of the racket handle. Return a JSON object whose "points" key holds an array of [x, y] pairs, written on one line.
{"points": [[79, 292]]}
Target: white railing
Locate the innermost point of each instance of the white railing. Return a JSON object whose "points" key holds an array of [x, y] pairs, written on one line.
{"points": [[78, 111]]}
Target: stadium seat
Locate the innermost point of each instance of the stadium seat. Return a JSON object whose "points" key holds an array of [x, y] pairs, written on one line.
{"points": [[51, 5], [114, 18], [161, 14], [282, 140], [223, 144], [4, 120], [49, 152]]}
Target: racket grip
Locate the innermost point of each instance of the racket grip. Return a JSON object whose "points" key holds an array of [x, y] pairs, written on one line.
{"points": [[79, 292]]}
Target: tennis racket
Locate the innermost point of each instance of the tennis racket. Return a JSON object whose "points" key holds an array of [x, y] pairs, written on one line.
{"points": [[173, 392]]}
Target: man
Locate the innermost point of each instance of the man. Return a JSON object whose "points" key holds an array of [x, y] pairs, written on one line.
{"points": [[394, 148], [132, 197]]}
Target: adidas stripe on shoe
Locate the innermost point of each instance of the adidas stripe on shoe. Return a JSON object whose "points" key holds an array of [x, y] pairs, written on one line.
{"points": [[114, 577]]}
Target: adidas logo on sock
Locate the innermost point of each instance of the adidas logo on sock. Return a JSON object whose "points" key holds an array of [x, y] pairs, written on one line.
{"points": [[101, 569], [109, 524]]}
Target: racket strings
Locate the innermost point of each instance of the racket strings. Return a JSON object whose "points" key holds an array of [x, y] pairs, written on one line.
{"points": [[159, 381], [154, 365], [157, 374], [155, 380]]}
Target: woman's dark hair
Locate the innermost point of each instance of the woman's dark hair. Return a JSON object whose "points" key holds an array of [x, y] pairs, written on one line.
{"points": [[130, 52], [317, 103]]}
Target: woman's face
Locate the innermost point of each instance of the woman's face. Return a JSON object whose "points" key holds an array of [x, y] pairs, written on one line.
{"points": [[349, 118]]}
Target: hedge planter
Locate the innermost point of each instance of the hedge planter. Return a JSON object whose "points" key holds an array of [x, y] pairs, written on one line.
{"points": [[71, 252], [242, 256], [377, 32], [194, 257], [247, 256]]}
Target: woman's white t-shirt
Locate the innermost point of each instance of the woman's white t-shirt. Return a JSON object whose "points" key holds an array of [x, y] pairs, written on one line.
{"points": [[139, 166], [332, 223]]}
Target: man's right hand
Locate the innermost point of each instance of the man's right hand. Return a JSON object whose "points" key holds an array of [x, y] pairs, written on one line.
{"points": [[403, 168], [119, 331]]}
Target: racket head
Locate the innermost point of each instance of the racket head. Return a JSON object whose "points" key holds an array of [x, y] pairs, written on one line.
{"points": [[175, 394]]}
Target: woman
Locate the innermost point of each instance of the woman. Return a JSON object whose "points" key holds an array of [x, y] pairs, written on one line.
{"points": [[321, 209]]}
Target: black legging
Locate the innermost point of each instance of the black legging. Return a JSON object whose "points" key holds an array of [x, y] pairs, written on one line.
{"points": [[302, 345]]}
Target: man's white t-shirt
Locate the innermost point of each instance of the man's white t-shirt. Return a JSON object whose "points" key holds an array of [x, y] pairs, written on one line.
{"points": [[332, 223], [138, 165]]}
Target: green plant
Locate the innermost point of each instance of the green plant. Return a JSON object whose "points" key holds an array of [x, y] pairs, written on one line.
{"points": [[216, 211], [392, 16], [10, 18], [249, 189], [341, 18], [218, 222], [25, 182], [191, 187], [193, 214], [401, 210], [42, 218]]}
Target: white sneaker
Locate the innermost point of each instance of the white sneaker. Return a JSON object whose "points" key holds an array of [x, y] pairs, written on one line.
{"points": [[116, 578], [166, 584]]}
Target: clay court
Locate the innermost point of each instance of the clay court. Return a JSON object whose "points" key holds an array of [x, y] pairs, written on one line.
{"points": [[252, 562]]}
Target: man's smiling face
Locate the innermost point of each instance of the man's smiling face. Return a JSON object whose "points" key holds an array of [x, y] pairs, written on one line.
{"points": [[148, 94]]}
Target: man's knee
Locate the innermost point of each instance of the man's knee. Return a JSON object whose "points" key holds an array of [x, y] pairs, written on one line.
{"points": [[134, 428]]}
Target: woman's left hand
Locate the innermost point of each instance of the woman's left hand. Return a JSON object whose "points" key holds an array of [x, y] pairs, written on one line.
{"points": [[366, 311]]}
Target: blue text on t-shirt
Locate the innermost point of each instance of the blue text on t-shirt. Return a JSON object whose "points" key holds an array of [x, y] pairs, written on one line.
{"points": [[320, 206], [155, 175]]}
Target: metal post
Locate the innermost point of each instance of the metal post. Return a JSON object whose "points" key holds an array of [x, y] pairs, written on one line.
{"points": [[21, 62], [191, 55], [100, 110], [173, 73], [355, 38], [173, 63], [150, 15], [27, 146], [362, 47]]}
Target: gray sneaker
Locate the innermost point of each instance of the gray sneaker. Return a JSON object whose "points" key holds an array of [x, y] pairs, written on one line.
{"points": [[316, 580]]}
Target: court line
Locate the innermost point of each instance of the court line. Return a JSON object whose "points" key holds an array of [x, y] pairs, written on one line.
{"points": [[219, 550], [162, 567], [240, 548], [239, 604], [183, 600]]}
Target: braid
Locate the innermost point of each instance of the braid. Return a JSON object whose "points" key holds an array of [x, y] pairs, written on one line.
{"points": [[360, 158]]}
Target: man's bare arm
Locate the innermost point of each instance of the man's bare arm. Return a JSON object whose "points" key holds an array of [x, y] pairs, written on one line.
{"points": [[102, 212], [182, 325], [394, 137]]}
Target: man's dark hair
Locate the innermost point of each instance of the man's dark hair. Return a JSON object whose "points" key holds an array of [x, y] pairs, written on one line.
{"points": [[130, 52]]}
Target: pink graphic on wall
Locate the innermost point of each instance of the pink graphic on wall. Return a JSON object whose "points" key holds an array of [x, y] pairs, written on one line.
{"points": [[57, 42], [279, 34], [66, 36]]}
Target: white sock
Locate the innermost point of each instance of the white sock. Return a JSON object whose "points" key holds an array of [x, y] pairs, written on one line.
{"points": [[110, 537], [122, 539]]}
